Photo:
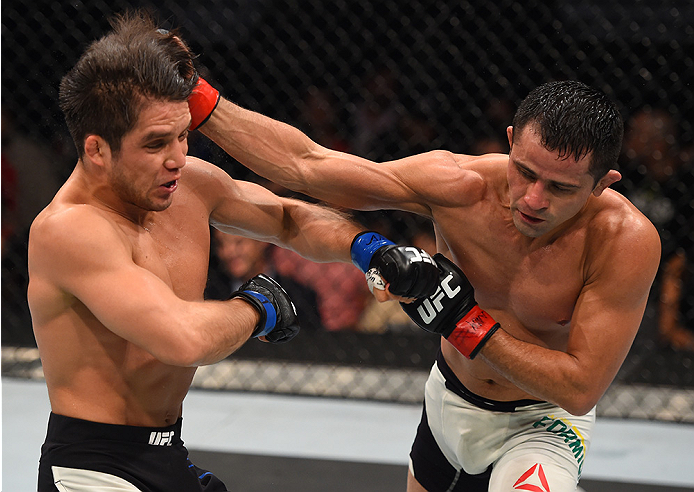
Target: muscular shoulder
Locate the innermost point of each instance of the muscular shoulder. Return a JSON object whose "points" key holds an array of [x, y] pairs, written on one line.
{"points": [[69, 231], [459, 179], [621, 238], [207, 181]]}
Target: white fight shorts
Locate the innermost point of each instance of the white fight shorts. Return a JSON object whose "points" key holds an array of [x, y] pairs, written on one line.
{"points": [[469, 443]]}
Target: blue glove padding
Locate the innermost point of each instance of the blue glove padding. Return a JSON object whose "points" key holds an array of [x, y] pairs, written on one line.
{"points": [[410, 271], [364, 245], [278, 319]]}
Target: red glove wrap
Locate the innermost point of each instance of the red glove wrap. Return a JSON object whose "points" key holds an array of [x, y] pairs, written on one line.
{"points": [[472, 332], [202, 102]]}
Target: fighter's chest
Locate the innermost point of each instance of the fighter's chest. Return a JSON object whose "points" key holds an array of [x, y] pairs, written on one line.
{"points": [[175, 251], [536, 286]]}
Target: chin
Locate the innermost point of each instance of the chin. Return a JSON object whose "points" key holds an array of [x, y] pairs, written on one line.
{"points": [[528, 230]]}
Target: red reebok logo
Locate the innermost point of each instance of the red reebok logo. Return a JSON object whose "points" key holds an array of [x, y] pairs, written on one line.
{"points": [[533, 480]]}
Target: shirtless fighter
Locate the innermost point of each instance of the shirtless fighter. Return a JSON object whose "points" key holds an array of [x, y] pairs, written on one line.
{"points": [[545, 273], [118, 264]]}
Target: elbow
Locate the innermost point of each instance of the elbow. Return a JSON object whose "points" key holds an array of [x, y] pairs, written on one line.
{"points": [[579, 409], [182, 351], [578, 401], [181, 355]]}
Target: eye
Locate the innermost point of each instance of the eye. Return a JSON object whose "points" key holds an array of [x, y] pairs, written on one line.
{"points": [[156, 145], [525, 173], [562, 189]]}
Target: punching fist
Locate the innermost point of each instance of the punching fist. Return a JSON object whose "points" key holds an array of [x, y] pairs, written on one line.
{"points": [[201, 103], [410, 271], [452, 311], [278, 321]]}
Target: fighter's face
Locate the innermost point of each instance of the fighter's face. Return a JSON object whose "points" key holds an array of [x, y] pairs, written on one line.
{"points": [[146, 171], [544, 189]]}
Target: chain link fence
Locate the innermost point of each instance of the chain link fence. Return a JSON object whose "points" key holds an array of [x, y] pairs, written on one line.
{"points": [[381, 79]]}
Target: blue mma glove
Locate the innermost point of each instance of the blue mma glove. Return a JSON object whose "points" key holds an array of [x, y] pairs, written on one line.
{"points": [[278, 320]]}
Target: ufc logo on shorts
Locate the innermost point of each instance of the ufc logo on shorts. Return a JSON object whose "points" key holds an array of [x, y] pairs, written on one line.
{"points": [[161, 438], [433, 305]]}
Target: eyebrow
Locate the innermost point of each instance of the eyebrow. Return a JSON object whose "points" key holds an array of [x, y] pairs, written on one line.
{"points": [[551, 181], [156, 136]]}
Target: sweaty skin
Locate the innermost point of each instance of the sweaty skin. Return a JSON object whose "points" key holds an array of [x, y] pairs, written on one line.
{"points": [[564, 264], [118, 264]]}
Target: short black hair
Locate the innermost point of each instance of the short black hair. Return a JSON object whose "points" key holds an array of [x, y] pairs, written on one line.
{"points": [[575, 120]]}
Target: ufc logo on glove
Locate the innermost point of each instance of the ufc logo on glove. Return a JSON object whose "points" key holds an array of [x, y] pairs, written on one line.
{"points": [[432, 306]]}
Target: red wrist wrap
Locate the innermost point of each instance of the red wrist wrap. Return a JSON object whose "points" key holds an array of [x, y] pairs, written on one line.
{"points": [[202, 102], [472, 332]]}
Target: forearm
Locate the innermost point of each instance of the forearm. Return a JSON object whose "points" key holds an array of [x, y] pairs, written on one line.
{"points": [[268, 147], [319, 233], [547, 374], [204, 333]]}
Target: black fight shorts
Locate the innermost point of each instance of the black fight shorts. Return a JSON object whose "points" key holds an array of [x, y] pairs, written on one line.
{"points": [[83, 455]]}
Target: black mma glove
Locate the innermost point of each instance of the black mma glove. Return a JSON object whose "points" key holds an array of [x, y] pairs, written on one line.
{"points": [[278, 321], [452, 311], [410, 271]]}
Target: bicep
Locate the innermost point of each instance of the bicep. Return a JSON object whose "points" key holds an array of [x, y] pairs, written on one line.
{"points": [[249, 210], [412, 184], [608, 314]]}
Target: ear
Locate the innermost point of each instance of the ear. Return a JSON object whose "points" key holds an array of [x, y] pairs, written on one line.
{"points": [[606, 181], [97, 150], [509, 134]]}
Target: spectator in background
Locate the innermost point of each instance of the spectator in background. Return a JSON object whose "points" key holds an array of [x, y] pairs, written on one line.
{"points": [[9, 201], [317, 118], [676, 300], [31, 174], [235, 259], [340, 289], [376, 118], [659, 181], [38, 172]]}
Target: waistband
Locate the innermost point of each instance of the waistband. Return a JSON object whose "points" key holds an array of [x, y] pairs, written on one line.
{"points": [[71, 430], [454, 385]]}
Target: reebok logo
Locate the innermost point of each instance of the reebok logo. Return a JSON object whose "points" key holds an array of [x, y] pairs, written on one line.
{"points": [[161, 438], [533, 480], [433, 305]]}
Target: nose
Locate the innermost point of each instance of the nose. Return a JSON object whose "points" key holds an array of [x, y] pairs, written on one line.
{"points": [[536, 196], [177, 158]]}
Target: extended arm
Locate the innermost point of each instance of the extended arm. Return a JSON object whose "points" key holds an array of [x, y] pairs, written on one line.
{"points": [[287, 156]]}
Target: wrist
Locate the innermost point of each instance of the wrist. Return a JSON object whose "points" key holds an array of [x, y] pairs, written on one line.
{"points": [[363, 247], [266, 311], [472, 332]]}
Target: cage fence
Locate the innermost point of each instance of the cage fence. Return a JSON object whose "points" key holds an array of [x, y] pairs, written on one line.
{"points": [[381, 79]]}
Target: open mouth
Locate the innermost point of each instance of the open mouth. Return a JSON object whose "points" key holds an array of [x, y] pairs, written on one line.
{"points": [[170, 185], [528, 218]]}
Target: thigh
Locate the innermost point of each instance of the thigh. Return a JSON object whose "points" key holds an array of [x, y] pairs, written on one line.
{"points": [[546, 455], [433, 472], [531, 471]]}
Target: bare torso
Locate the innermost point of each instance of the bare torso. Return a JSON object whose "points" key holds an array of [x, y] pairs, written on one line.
{"points": [[529, 287], [92, 373]]}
